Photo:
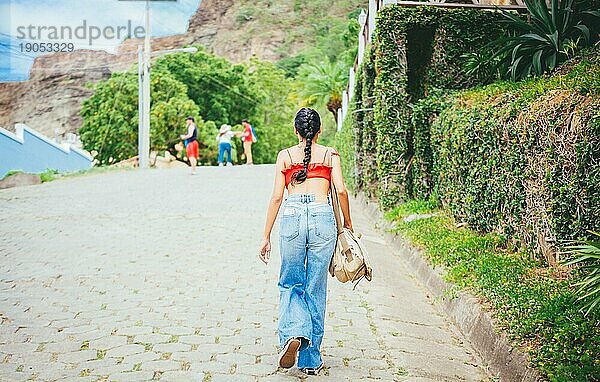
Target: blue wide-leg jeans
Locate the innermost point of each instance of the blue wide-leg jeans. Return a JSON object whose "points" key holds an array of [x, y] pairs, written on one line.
{"points": [[307, 240]]}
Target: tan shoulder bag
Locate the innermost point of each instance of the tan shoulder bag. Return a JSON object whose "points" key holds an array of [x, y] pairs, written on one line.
{"points": [[350, 261]]}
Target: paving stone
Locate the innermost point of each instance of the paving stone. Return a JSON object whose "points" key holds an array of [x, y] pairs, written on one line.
{"points": [[153, 338], [177, 330], [125, 350], [108, 342], [171, 347], [62, 347], [132, 376], [161, 365], [139, 357], [211, 367], [77, 356], [257, 369], [82, 329], [232, 377], [25, 347], [134, 330], [136, 297], [193, 356], [236, 358], [178, 376]]}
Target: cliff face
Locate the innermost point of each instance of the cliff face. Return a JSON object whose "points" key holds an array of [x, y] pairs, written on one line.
{"points": [[51, 99]]}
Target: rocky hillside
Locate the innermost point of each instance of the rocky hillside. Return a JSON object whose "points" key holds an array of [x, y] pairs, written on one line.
{"points": [[51, 99]]}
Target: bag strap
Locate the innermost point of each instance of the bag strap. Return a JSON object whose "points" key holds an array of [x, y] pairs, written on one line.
{"points": [[335, 202]]}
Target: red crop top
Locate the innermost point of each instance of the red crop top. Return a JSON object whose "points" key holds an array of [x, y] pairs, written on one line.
{"points": [[315, 170]]}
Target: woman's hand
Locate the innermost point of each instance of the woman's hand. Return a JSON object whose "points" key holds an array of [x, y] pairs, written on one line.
{"points": [[265, 251], [348, 225]]}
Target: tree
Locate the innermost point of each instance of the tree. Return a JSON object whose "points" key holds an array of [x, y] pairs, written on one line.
{"points": [[110, 116], [278, 102], [324, 83], [218, 87]]}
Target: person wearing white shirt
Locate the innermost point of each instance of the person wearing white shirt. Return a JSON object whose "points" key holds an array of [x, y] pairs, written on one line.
{"points": [[224, 139]]}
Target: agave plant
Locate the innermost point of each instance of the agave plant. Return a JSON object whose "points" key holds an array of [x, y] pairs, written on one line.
{"points": [[588, 257], [482, 65], [547, 40]]}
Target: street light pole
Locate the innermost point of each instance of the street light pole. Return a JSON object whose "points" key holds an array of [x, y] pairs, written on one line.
{"points": [[144, 147], [144, 56], [140, 102]]}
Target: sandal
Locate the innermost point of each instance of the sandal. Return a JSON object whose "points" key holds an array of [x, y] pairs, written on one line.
{"points": [[287, 357], [311, 370]]}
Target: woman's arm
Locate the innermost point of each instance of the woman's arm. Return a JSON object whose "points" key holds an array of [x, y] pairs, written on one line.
{"points": [[338, 182], [273, 209]]}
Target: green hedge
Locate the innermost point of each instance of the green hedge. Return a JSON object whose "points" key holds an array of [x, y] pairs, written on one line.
{"points": [[344, 142], [367, 161], [524, 159]]}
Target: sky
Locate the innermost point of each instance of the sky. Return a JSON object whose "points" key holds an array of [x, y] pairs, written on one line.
{"points": [[25, 25]]}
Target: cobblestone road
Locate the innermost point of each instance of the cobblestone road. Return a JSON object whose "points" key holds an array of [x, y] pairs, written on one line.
{"points": [[153, 275]]}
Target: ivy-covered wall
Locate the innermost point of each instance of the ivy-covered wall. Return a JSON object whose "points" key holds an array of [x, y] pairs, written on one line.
{"points": [[414, 51], [520, 159]]}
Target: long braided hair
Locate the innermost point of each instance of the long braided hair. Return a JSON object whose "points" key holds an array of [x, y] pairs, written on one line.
{"points": [[307, 124]]}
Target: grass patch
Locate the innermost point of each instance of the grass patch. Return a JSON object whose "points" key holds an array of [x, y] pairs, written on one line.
{"points": [[401, 372], [534, 304], [51, 174], [85, 373], [13, 172]]}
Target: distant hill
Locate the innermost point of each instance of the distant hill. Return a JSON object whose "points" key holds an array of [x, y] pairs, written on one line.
{"points": [[51, 99]]}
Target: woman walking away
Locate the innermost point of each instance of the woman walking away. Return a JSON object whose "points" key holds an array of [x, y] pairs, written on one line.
{"points": [[224, 139], [191, 142], [307, 240]]}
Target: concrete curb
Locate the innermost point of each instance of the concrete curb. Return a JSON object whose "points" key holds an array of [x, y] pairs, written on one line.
{"points": [[506, 361]]}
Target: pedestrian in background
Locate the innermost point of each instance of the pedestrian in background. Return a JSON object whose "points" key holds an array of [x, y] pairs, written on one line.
{"points": [[191, 142], [308, 236], [224, 139], [248, 138]]}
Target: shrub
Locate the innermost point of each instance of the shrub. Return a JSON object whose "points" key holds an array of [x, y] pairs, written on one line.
{"points": [[523, 159]]}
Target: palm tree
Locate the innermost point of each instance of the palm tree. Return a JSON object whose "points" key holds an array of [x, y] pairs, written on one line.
{"points": [[324, 83]]}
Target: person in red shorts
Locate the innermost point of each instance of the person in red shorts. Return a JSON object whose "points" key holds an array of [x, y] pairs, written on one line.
{"points": [[191, 142]]}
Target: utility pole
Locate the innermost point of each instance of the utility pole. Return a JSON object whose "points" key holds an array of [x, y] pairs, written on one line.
{"points": [[144, 148], [140, 102], [144, 56]]}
